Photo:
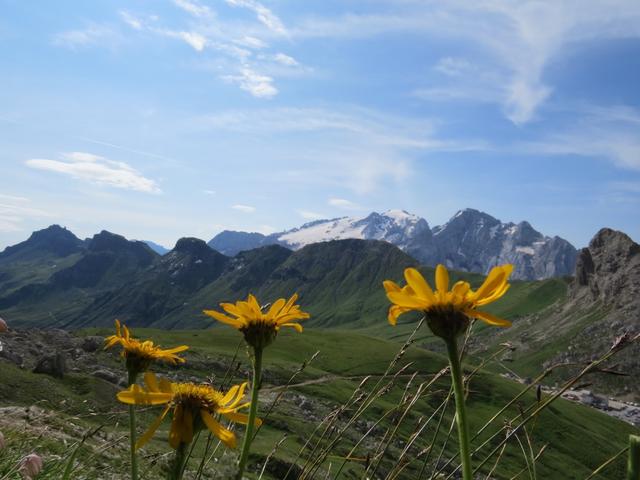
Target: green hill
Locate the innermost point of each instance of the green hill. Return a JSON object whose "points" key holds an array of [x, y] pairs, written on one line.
{"points": [[345, 359]]}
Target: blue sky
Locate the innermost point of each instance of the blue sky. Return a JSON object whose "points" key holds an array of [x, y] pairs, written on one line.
{"points": [[160, 119]]}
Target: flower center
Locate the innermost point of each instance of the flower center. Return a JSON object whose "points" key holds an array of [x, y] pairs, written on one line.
{"points": [[197, 397]]}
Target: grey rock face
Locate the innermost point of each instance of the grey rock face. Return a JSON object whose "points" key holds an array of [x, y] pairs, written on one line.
{"points": [[609, 270], [474, 241]]}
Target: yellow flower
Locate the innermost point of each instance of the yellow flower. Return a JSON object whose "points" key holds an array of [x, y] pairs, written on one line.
{"points": [[448, 310], [194, 407], [140, 354], [260, 328]]}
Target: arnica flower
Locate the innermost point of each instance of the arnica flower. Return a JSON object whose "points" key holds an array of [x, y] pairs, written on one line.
{"points": [[30, 466], [140, 354], [194, 406], [260, 329], [448, 311]]}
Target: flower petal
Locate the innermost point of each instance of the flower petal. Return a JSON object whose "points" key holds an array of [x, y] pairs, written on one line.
{"points": [[297, 326], [275, 308], [419, 285], [137, 396], [146, 436], [394, 312], [488, 318], [241, 418], [221, 317], [175, 434], [497, 294], [442, 281], [408, 301], [390, 286], [226, 436], [497, 276]]}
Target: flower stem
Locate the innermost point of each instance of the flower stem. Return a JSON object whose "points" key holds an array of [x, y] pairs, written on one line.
{"points": [[633, 466], [132, 429], [461, 412], [248, 435], [177, 464]]}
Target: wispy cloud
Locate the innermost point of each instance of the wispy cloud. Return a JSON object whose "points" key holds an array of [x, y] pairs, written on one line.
{"points": [[343, 204], [209, 192], [98, 170], [241, 51], [358, 148], [258, 85], [14, 210], [264, 15], [130, 20], [610, 133], [194, 8], [285, 59], [193, 39], [244, 208], [309, 215], [94, 35], [512, 45]]}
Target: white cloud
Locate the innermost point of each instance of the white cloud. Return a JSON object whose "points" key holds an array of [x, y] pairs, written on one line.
{"points": [[343, 203], [266, 229], [98, 170], [251, 42], [235, 43], [131, 20], [193, 39], [308, 215], [194, 8], [14, 210], [91, 36], [285, 60], [610, 133], [260, 86], [342, 146], [453, 66], [209, 192], [244, 208], [266, 16], [515, 41]]}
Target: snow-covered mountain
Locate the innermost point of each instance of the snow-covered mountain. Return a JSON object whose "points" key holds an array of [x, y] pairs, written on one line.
{"points": [[471, 241]]}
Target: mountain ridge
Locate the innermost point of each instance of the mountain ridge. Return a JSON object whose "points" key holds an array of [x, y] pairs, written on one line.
{"points": [[471, 241]]}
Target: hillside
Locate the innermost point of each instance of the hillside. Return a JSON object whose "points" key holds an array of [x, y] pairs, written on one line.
{"points": [[107, 277], [602, 303], [84, 398]]}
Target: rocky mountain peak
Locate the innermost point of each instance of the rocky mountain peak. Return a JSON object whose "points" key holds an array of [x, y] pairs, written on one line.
{"points": [[475, 241], [192, 246], [609, 269], [53, 239], [110, 243]]}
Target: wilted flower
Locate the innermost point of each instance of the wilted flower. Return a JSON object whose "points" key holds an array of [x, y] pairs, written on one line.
{"points": [[3, 326], [30, 466], [260, 329], [448, 311], [3, 442], [140, 354], [194, 407]]}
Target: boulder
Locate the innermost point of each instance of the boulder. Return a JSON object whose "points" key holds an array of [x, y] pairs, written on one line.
{"points": [[107, 376], [92, 343], [54, 365]]}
